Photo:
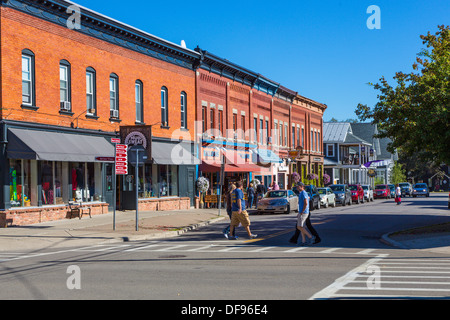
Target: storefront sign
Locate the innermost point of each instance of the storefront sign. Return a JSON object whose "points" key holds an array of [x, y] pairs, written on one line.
{"points": [[138, 136]]}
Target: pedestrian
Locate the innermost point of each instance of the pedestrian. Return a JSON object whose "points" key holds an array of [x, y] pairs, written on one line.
{"points": [[251, 196], [398, 194], [239, 214], [275, 186], [231, 188], [315, 236], [260, 191]]}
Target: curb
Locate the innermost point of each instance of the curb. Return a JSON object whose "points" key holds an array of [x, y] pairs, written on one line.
{"points": [[392, 243], [171, 234]]}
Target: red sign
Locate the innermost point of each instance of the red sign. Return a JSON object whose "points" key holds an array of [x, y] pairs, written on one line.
{"points": [[115, 140], [104, 159], [121, 159]]}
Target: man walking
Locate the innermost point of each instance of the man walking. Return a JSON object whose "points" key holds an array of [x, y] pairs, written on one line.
{"points": [[315, 239], [239, 214]]}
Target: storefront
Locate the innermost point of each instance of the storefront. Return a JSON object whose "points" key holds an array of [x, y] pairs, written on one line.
{"points": [[166, 177], [43, 168]]}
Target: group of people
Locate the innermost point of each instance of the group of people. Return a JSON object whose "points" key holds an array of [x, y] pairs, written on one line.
{"points": [[236, 209]]}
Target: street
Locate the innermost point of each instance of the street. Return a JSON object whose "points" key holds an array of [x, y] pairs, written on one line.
{"points": [[351, 262]]}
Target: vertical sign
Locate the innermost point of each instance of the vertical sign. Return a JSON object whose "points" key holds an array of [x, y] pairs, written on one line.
{"points": [[121, 159]]}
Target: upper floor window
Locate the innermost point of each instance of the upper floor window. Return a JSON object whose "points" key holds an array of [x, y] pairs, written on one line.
{"points": [[164, 107], [330, 150], [183, 104], [114, 95], [91, 98], [28, 78], [139, 93]]}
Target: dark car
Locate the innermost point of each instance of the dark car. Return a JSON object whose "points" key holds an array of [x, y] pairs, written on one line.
{"points": [[382, 191], [343, 194], [406, 189], [421, 189], [314, 197], [392, 188], [357, 193]]}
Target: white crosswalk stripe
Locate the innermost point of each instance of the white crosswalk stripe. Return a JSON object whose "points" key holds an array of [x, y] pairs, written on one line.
{"points": [[386, 277]]}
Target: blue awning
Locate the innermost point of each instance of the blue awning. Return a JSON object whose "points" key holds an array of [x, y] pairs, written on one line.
{"points": [[265, 157]]}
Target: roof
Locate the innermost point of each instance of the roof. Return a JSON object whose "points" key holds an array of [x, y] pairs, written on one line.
{"points": [[335, 132]]}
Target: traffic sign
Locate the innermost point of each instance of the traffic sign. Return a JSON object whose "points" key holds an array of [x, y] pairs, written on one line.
{"points": [[115, 140], [121, 159]]}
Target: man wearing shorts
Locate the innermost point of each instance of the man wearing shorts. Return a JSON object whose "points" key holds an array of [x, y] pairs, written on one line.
{"points": [[303, 212], [239, 214]]}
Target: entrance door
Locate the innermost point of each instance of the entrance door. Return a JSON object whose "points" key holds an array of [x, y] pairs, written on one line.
{"points": [[190, 184]]}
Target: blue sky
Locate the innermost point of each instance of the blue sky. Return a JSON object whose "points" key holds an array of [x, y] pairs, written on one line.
{"points": [[321, 49]]}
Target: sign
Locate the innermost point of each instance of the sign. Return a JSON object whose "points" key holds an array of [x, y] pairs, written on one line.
{"points": [[138, 136], [115, 140], [105, 159], [121, 159]]}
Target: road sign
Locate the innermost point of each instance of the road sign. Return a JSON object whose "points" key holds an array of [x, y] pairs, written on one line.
{"points": [[115, 140], [121, 159]]}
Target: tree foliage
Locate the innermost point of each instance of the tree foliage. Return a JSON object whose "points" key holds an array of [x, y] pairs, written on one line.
{"points": [[414, 113]]}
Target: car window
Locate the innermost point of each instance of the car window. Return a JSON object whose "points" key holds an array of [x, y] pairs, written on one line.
{"points": [[337, 188], [381, 186], [420, 185], [275, 194], [322, 191], [353, 188]]}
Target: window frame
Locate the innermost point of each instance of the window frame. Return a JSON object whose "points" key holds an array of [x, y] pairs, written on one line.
{"points": [[139, 106], [115, 78], [93, 74], [164, 106], [30, 56], [183, 110]]}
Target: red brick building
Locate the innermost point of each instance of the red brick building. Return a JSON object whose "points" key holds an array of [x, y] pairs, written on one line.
{"points": [[65, 92]]}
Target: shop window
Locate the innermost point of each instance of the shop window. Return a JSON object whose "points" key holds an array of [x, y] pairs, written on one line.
{"points": [[23, 183], [86, 182], [168, 181]]}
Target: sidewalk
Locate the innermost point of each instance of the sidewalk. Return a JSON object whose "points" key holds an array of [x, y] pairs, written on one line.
{"points": [[99, 229], [435, 238]]}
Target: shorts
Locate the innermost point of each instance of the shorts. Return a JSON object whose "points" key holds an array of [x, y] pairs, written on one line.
{"points": [[241, 218], [301, 219]]}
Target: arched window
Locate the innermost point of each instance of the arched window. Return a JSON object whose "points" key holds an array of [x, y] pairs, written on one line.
{"points": [[183, 104], [139, 97], [91, 91], [114, 96], [65, 85], [28, 79], [164, 107]]}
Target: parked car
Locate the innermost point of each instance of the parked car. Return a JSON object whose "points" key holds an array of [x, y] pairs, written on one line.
{"points": [[357, 193], [406, 188], [343, 194], [327, 197], [382, 191], [420, 189], [314, 197], [392, 188], [368, 192], [275, 201]]}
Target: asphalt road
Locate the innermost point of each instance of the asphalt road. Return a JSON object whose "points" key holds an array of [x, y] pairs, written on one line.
{"points": [[351, 262]]}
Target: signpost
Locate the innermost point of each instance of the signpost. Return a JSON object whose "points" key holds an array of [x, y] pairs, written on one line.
{"points": [[120, 167]]}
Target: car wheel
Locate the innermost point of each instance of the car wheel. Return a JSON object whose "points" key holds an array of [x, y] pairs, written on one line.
{"points": [[288, 209]]}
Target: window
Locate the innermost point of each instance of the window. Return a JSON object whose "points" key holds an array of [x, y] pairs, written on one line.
{"points": [[293, 137], [312, 140], [64, 85], [243, 126], [164, 107], [280, 136], [298, 136], [220, 121], [183, 110], [286, 135], [330, 150], [114, 96], [91, 99], [255, 128], [204, 110], [303, 137], [275, 133], [211, 119], [28, 78], [139, 93], [266, 140]]}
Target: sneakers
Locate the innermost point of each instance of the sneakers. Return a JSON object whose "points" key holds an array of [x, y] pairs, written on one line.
{"points": [[253, 236]]}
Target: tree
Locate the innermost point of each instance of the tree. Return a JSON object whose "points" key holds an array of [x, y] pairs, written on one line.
{"points": [[398, 174], [415, 113]]}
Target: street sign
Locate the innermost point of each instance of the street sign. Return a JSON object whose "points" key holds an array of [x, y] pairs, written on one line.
{"points": [[115, 140], [121, 159]]}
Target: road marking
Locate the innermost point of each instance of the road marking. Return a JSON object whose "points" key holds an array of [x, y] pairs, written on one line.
{"points": [[367, 251], [173, 248], [330, 250], [295, 250], [262, 249], [200, 248], [143, 248]]}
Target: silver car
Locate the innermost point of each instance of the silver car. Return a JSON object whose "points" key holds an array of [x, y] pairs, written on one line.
{"points": [[368, 192], [327, 197], [283, 201]]}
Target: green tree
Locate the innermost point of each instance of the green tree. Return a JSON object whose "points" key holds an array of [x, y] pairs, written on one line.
{"points": [[398, 174], [415, 113]]}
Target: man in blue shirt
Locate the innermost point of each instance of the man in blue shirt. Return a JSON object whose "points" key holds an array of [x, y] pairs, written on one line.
{"points": [[239, 214], [303, 212]]}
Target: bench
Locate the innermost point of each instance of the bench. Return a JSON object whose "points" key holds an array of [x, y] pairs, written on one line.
{"points": [[77, 209]]}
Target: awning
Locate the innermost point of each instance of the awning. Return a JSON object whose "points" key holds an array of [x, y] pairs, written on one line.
{"points": [[172, 154], [56, 146], [265, 157]]}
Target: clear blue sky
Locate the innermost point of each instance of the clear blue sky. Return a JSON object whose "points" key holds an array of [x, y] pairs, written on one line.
{"points": [[321, 49]]}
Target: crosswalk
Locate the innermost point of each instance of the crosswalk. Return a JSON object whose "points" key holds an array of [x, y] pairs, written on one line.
{"points": [[398, 278]]}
